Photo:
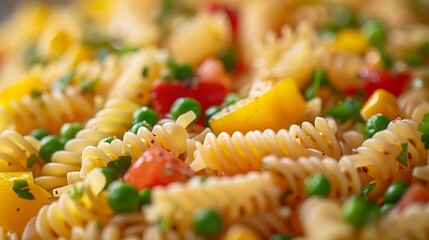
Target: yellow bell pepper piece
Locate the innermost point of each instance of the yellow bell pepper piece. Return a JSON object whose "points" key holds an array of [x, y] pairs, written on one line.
{"points": [[17, 90], [381, 101], [15, 212], [279, 107], [351, 40]]}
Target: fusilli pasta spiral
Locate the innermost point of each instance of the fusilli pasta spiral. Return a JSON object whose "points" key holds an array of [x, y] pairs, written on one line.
{"points": [[414, 104], [234, 197], [242, 153], [48, 111], [112, 120]]}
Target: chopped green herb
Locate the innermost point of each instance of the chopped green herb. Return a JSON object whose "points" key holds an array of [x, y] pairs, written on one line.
{"points": [[32, 160], [126, 49], [414, 58], [20, 187], [108, 139], [228, 58], [375, 32], [145, 72], [35, 94], [77, 192], [120, 165], [367, 190], [424, 128], [349, 109], [31, 56], [387, 60], [403, 156], [63, 81], [164, 224], [178, 71], [88, 86]]}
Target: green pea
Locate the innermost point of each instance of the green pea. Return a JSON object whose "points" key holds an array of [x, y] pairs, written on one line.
{"points": [[376, 123], [183, 105], [281, 236], [394, 192], [145, 196], [231, 98], [123, 197], [386, 208], [110, 175], [354, 211], [207, 222], [228, 59], [145, 114], [373, 211], [39, 133], [69, 130], [374, 32], [135, 128], [317, 185], [345, 18], [48, 146], [209, 114]]}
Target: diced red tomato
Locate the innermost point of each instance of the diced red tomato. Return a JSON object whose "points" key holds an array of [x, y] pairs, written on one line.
{"points": [[417, 193], [164, 93], [395, 83], [231, 13], [212, 70], [157, 167]]}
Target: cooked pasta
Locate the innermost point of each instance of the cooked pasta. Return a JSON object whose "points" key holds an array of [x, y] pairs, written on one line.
{"points": [[15, 151], [378, 155], [291, 175], [233, 197], [48, 111], [214, 119], [414, 104], [242, 153], [112, 120], [85, 203], [171, 136]]}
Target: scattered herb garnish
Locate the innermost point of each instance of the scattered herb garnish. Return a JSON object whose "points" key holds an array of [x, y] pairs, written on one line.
{"points": [[88, 86], [424, 128], [145, 72], [319, 79], [228, 59], [21, 188], [120, 165], [77, 192], [35, 94], [349, 109], [32, 160], [31, 56], [367, 190], [63, 81], [403, 156], [178, 71]]}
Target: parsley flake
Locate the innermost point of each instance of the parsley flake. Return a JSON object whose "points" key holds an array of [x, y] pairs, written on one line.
{"points": [[31, 160], [403, 156], [424, 128], [120, 165], [22, 190]]}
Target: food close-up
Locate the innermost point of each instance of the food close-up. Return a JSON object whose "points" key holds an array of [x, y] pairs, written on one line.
{"points": [[214, 119]]}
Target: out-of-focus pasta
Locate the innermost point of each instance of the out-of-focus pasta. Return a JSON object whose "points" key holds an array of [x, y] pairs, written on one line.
{"points": [[215, 119]]}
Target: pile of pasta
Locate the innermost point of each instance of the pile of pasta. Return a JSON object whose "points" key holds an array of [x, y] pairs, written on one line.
{"points": [[215, 119]]}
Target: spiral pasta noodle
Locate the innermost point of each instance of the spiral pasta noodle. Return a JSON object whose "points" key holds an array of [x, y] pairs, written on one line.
{"points": [[414, 104], [233, 197], [7, 235], [321, 219], [49, 111], [292, 174], [85, 203], [112, 120], [411, 223], [242, 153], [121, 226], [170, 135], [15, 150], [378, 155]]}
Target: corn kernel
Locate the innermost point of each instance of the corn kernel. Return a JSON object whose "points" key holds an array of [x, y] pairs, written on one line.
{"points": [[381, 101], [351, 40]]}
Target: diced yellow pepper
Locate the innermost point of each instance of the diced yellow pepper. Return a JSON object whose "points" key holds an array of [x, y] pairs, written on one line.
{"points": [[17, 90], [53, 42], [351, 40], [15, 212], [279, 107], [381, 101]]}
